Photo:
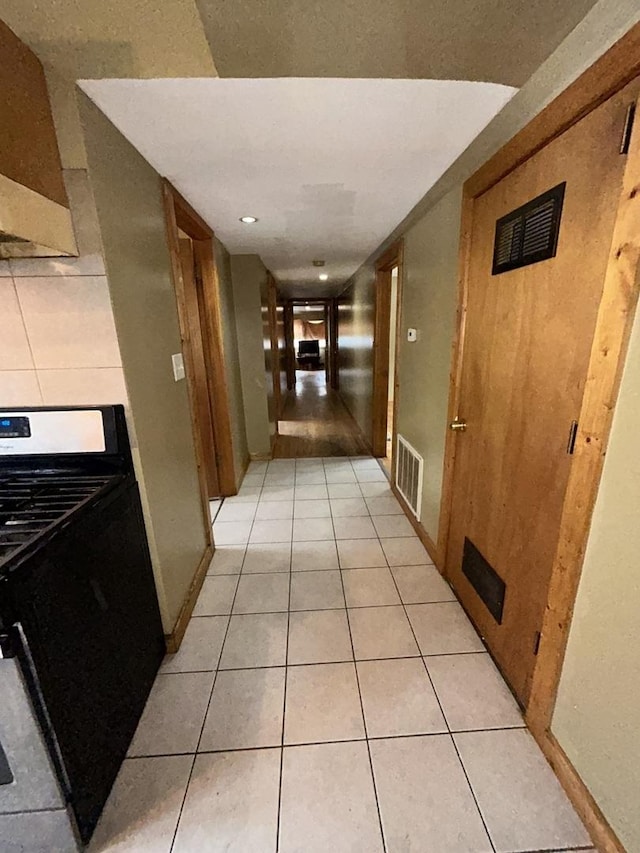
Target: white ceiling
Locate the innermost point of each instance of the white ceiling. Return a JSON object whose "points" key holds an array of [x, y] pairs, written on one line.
{"points": [[329, 166]]}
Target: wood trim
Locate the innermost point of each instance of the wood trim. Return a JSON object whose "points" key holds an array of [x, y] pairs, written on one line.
{"points": [[588, 810], [396, 384], [610, 342], [334, 344], [173, 243], [422, 534], [615, 68], [216, 372], [272, 307], [390, 258], [180, 215], [455, 375], [174, 639]]}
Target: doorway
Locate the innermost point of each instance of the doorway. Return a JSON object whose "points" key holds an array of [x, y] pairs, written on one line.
{"points": [[385, 356], [537, 258], [190, 242]]}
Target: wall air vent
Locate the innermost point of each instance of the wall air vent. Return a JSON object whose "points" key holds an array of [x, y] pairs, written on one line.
{"points": [[530, 233], [484, 579], [409, 465]]}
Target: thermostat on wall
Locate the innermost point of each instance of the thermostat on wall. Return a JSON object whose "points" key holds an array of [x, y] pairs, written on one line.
{"points": [[412, 335]]}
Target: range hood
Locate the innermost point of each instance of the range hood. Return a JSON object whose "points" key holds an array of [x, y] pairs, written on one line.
{"points": [[32, 225]]}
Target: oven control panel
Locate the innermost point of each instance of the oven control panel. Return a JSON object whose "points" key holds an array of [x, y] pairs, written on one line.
{"points": [[15, 427]]}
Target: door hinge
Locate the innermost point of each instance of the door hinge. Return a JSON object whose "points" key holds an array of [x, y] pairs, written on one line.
{"points": [[573, 432], [627, 130], [536, 642]]}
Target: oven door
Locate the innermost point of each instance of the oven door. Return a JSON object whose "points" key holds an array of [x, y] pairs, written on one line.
{"points": [[32, 803]]}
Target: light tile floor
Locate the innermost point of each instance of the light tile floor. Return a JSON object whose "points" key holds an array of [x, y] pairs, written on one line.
{"points": [[330, 695]]}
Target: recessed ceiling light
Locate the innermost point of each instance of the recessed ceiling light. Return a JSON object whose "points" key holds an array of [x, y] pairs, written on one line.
{"points": [[248, 220], [323, 276]]}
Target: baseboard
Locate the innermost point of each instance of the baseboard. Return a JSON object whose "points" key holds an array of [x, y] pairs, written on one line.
{"points": [[422, 534], [598, 827], [174, 639], [260, 457]]}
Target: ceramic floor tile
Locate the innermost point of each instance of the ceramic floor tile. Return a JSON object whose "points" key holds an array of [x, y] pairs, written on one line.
{"points": [[328, 800], [369, 587], [227, 560], [246, 494], [519, 796], [312, 509], [200, 647], [371, 475], [425, 800], [343, 490], [376, 490], [312, 529], [309, 493], [231, 532], [236, 512], [472, 693], [358, 527], [271, 510], [245, 711], [319, 636], [341, 475], [407, 551], [443, 629], [365, 463], [257, 468], [144, 805], [172, 719], [256, 479], [262, 593], [256, 640], [360, 554], [389, 526], [381, 632], [323, 704], [279, 478], [398, 698], [384, 506], [310, 478], [314, 556], [421, 584], [231, 804], [267, 557], [348, 507], [276, 493], [316, 590], [264, 532], [214, 509], [216, 595]]}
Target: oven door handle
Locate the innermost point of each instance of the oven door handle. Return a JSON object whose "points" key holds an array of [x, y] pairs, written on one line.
{"points": [[20, 643]]}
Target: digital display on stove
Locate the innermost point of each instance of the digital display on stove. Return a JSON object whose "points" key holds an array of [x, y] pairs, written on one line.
{"points": [[15, 427]]}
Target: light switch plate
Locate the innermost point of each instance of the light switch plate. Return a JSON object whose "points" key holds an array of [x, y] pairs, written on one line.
{"points": [[412, 335], [178, 366]]}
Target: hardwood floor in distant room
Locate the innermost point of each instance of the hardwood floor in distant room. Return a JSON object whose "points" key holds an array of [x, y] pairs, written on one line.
{"points": [[315, 422]]}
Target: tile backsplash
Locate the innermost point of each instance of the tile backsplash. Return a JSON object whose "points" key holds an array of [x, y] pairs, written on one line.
{"points": [[58, 343]]}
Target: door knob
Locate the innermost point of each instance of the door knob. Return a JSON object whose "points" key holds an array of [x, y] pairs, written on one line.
{"points": [[458, 425]]}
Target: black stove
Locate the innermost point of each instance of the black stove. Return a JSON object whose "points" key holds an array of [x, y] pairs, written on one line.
{"points": [[78, 604], [33, 506]]}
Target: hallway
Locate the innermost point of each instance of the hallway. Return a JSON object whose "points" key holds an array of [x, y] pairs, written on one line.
{"points": [[330, 694], [315, 422]]}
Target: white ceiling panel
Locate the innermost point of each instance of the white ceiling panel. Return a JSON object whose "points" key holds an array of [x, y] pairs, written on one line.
{"points": [[329, 166]]}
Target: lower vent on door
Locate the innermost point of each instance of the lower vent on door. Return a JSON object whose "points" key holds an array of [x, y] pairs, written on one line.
{"points": [[409, 465], [484, 579]]}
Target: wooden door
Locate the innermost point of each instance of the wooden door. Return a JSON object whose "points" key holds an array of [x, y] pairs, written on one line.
{"points": [[201, 400], [527, 340]]}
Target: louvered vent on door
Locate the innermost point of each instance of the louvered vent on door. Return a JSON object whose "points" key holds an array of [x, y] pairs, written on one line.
{"points": [[530, 233], [409, 466]]}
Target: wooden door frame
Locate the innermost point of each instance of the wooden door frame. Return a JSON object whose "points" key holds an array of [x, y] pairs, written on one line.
{"points": [[334, 344], [608, 75], [181, 216], [272, 310], [391, 258], [290, 348], [330, 357]]}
